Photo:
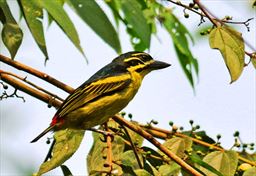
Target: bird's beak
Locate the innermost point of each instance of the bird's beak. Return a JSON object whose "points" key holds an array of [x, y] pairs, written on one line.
{"points": [[158, 65]]}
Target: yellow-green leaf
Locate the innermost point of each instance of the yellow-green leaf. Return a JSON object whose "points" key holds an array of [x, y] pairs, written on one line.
{"points": [[67, 142], [60, 16], [99, 150], [136, 20], [11, 32], [94, 16], [33, 15], [225, 162], [253, 59], [178, 145], [250, 172], [231, 45]]}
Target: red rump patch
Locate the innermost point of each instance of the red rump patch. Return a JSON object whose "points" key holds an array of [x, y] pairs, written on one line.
{"points": [[54, 120], [57, 120]]}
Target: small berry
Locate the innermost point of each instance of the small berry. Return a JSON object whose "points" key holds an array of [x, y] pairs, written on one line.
{"points": [[154, 122], [106, 165], [123, 114], [5, 86], [186, 15], [236, 134], [202, 32], [197, 127], [218, 136], [191, 5], [196, 7], [191, 122], [181, 128], [171, 123], [130, 115]]}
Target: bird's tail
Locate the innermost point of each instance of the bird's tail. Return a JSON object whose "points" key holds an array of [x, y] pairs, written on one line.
{"points": [[43, 133]]}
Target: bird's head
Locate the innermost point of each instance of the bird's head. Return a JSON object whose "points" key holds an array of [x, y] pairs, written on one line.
{"points": [[139, 62]]}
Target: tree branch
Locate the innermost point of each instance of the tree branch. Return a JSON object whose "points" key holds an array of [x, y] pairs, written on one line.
{"points": [[36, 73], [29, 90]]}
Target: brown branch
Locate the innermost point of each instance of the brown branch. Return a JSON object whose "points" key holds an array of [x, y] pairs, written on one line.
{"points": [[109, 149], [36, 73], [31, 91], [31, 84], [206, 13], [152, 140]]}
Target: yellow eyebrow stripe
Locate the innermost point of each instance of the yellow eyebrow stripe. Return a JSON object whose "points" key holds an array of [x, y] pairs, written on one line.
{"points": [[139, 54], [133, 58]]}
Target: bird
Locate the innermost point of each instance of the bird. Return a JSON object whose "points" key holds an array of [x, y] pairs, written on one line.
{"points": [[105, 93]]}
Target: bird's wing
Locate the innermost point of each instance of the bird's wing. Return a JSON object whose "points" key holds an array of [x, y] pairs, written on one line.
{"points": [[91, 91]]}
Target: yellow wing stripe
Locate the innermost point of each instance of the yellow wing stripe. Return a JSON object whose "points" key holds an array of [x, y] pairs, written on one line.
{"points": [[83, 95]]}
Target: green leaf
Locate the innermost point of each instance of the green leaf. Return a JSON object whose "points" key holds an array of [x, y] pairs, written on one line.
{"points": [[253, 59], [225, 162], [60, 16], [254, 63], [141, 172], [33, 15], [11, 33], [66, 170], [115, 6], [136, 20], [180, 36], [99, 150], [50, 19], [197, 160], [250, 172], [135, 137], [153, 161], [169, 169], [94, 16], [67, 143], [178, 145], [231, 45], [128, 159]]}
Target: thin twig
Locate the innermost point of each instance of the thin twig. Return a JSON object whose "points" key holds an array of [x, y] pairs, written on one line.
{"points": [[49, 154], [133, 146]]}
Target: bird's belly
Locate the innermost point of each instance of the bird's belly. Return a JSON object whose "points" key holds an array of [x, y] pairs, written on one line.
{"points": [[98, 112]]}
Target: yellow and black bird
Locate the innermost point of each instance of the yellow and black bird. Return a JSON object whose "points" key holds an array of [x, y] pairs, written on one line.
{"points": [[106, 93]]}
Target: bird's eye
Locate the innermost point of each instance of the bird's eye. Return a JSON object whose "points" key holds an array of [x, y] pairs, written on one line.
{"points": [[135, 62]]}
